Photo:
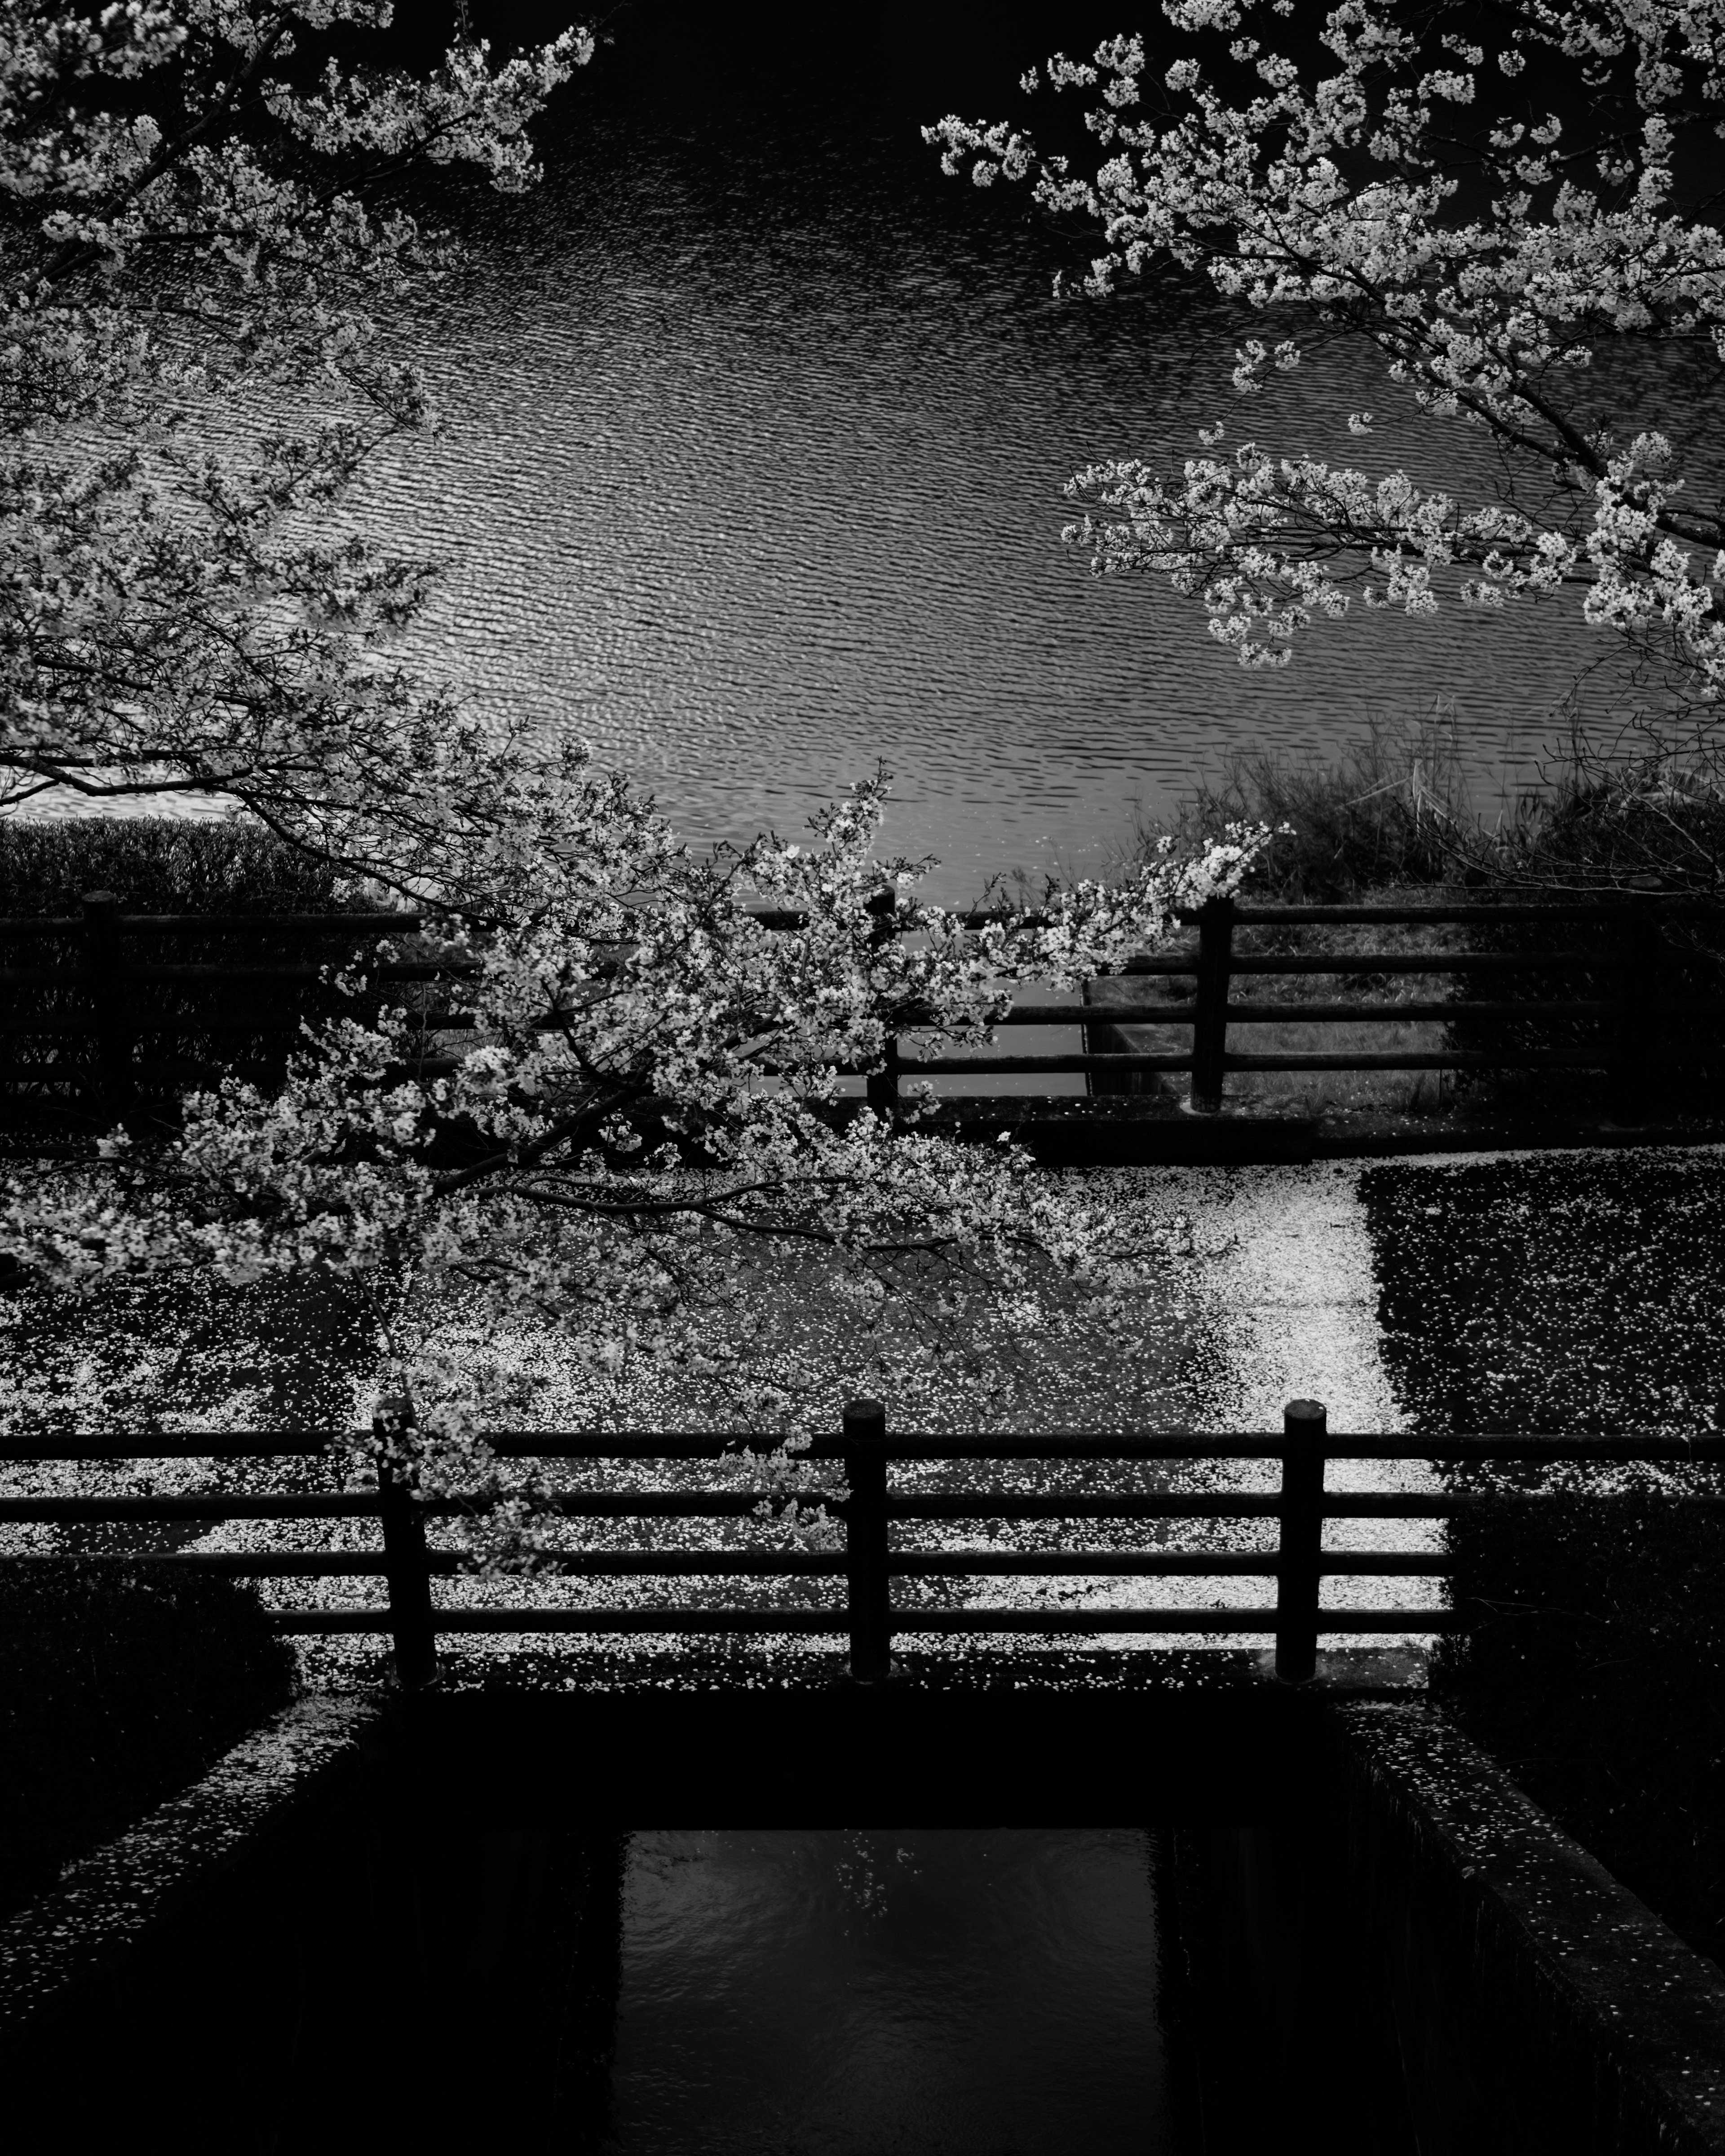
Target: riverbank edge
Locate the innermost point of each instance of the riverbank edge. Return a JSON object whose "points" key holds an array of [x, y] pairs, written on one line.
{"points": [[1501, 1935], [112, 1900]]}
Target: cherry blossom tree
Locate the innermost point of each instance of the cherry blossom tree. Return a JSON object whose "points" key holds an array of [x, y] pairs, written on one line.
{"points": [[646, 1084], [190, 232], [637, 1082], [1489, 197]]}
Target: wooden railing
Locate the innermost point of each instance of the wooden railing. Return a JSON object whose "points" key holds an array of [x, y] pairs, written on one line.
{"points": [[128, 1066], [115, 1016], [1639, 959], [870, 1561]]}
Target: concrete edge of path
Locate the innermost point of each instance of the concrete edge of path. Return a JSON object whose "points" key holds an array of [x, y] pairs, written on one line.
{"points": [[1501, 1923], [108, 1901]]}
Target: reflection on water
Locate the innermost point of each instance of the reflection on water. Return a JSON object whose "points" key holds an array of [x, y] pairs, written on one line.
{"points": [[973, 1992]]}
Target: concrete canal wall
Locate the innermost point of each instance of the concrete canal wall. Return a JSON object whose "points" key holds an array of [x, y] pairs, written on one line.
{"points": [[1539, 2003], [1536, 2003]]}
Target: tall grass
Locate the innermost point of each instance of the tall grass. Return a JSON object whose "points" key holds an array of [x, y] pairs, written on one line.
{"points": [[1391, 812], [1389, 821], [1386, 821], [1394, 810], [1646, 806], [159, 865], [1320, 1092]]}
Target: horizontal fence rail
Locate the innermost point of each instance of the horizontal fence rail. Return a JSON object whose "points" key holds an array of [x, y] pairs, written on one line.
{"points": [[108, 1048], [1636, 961], [869, 1560]]}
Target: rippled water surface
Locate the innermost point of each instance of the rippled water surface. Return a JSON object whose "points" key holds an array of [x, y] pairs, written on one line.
{"points": [[972, 1992], [755, 431]]}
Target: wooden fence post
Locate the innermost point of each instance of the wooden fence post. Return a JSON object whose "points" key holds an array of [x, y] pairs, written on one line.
{"points": [[1209, 1031], [110, 1093], [882, 1086], [1638, 1071], [405, 1565], [868, 1590], [1305, 1429]]}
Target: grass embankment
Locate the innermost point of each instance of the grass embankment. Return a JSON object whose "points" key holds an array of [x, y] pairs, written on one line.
{"points": [[121, 1686], [1540, 1295], [1337, 1096], [156, 865], [118, 1685], [1368, 829]]}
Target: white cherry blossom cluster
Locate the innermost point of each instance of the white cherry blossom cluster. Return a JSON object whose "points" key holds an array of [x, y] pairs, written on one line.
{"points": [[1487, 246]]}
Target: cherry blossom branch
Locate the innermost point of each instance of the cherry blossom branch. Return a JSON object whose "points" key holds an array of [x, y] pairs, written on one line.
{"points": [[1337, 192]]}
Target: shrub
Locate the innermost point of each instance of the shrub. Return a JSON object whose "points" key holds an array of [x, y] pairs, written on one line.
{"points": [[1616, 822], [1575, 1296], [160, 864], [1390, 819], [1378, 824], [118, 1688], [1639, 827], [1388, 812]]}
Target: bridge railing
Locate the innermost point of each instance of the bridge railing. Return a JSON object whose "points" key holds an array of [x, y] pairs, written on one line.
{"points": [[871, 1559]]}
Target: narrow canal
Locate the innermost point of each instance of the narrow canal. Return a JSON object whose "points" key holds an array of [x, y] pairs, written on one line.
{"points": [[1195, 1988], [956, 1991], [965, 1990]]}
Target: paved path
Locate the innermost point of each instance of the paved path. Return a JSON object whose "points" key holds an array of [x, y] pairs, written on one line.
{"points": [[1548, 1291], [1269, 1295]]}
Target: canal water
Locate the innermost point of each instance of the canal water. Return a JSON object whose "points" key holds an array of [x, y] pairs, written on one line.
{"points": [[1183, 1989], [464, 1943], [968, 1991], [756, 427]]}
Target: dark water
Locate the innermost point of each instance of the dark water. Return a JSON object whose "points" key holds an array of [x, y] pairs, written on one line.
{"points": [[972, 1992], [408, 1975], [756, 430]]}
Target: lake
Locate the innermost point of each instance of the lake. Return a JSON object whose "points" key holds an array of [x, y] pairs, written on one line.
{"points": [[756, 427], [756, 430]]}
